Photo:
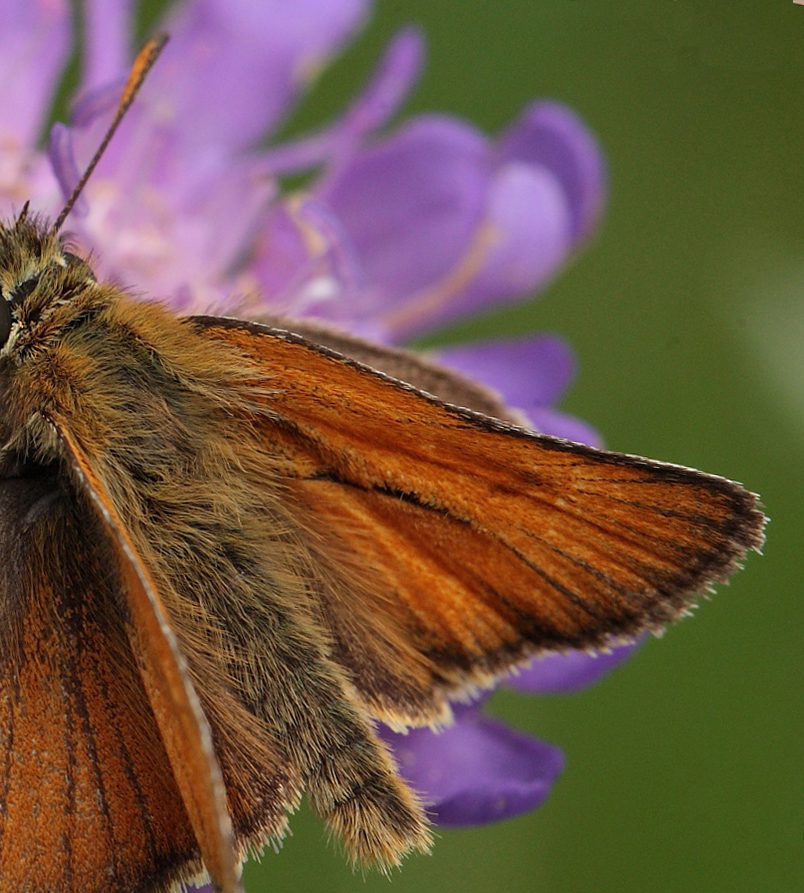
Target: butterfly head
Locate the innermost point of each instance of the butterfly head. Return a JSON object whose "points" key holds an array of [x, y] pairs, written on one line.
{"points": [[37, 273]]}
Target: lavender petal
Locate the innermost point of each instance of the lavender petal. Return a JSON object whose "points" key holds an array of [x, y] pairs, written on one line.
{"points": [[411, 204], [526, 372], [62, 160], [551, 135], [106, 43], [551, 421], [234, 66], [34, 44], [558, 673], [517, 248], [390, 83], [477, 770]]}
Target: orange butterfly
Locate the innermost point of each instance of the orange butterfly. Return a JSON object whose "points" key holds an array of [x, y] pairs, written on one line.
{"points": [[229, 548]]}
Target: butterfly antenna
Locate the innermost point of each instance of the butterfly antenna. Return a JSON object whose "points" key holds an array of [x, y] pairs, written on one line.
{"points": [[139, 71]]}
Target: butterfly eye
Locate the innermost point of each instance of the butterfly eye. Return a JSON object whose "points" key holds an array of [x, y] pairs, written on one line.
{"points": [[73, 260], [20, 292], [5, 320]]}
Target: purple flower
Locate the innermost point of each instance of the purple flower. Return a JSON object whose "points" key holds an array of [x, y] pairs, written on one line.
{"points": [[478, 770], [397, 232]]}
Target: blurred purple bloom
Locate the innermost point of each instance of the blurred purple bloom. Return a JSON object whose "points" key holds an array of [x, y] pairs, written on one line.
{"points": [[562, 673], [477, 770], [397, 231]]}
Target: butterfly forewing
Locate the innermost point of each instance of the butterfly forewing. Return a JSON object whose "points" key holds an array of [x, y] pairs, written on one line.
{"points": [[88, 799], [185, 732], [470, 543]]}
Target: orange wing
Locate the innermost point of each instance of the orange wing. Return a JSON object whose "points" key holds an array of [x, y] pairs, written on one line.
{"points": [[88, 799], [185, 732], [455, 546]]}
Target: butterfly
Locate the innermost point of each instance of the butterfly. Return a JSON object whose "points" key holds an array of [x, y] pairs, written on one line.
{"points": [[230, 548]]}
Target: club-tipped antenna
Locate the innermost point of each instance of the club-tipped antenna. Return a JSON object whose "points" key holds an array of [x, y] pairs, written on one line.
{"points": [[139, 71]]}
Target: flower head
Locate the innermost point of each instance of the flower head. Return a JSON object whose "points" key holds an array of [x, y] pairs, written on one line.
{"points": [[397, 231]]}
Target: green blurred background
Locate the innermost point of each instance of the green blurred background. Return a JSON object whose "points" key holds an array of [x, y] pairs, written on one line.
{"points": [[684, 768]]}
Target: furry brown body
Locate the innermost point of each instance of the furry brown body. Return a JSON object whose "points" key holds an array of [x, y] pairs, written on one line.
{"points": [[318, 546]]}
